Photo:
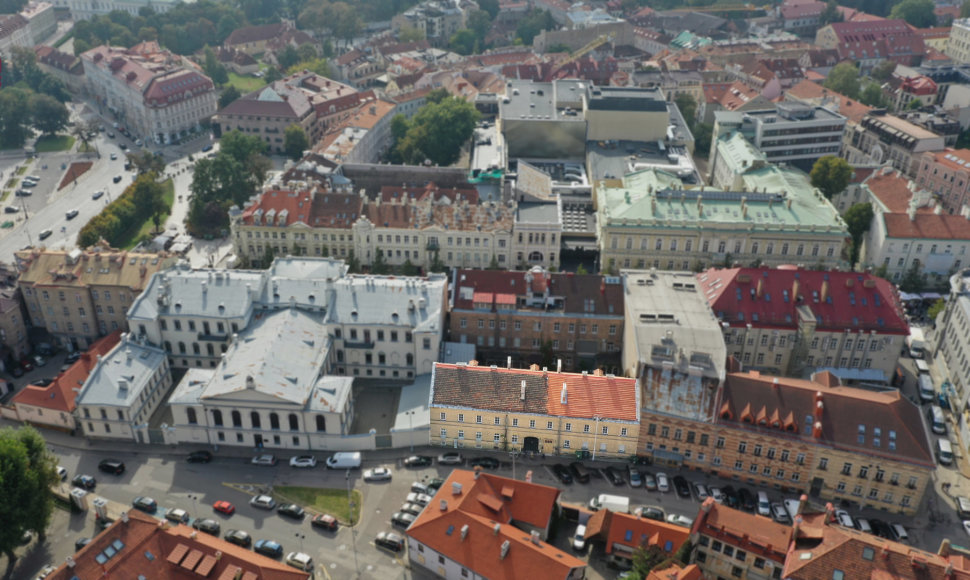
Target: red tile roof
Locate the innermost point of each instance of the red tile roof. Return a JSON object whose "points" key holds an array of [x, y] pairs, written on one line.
{"points": [[255, 34], [587, 395], [629, 530], [888, 38], [587, 293], [892, 189], [754, 534], [771, 298], [807, 90], [60, 394], [927, 226], [312, 208], [802, 10], [161, 551], [676, 571], [479, 546], [783, 403]]}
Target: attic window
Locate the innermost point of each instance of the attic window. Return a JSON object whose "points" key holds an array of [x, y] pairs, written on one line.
{"points": [[868, 553]]}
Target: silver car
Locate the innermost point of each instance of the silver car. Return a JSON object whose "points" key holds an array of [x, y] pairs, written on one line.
{"points": [[263, 502], [421, 499]]}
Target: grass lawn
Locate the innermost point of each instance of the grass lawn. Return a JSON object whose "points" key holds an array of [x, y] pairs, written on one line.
{"points": [[50, 143], [23, 168], [137, 234], [246, 83], [319, 499]]}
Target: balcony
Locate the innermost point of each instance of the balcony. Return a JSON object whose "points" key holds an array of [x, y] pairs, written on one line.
{"points": [[202, 337], [433, 246]]}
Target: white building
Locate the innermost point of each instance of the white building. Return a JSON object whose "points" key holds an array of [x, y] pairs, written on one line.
{"points": [[85, 9], [958, 46], [14, 31], [123, 391], [954, 345], [41, 20]]}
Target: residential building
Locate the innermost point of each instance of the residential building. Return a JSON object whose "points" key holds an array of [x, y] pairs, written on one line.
{"points": [[123, 391], [85, 9], [676, 571], [14, 32], [622, 534], [672, 83], [734, 157], [437, 19], [936, 121], [903, 91], [958, 46], [363, 137], [529, 133], [787, 132], [13, 325], [731, 543], [815, 95], [624, 113], [947, 174], [801, 18], [236, 60], [156, 94], [954, 346], [178, 550], [870, 42], [779, 218], [498, 527], [539, 411], [730, 96], [41, 20], [65, 67], [81, 295], [880, 138], [792, 321], [53, 405], [254, 39], [534, 315]]}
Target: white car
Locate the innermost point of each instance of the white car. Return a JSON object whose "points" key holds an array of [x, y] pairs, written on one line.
{"points": [[263, 502], [264, 460], [679, 520], [966, 526], [579, 538], [422, 499], [717, 494], [62, 473], [663, 482], [303, 461], [451, 458], [377, 474], [300, 561], [844, 518]]}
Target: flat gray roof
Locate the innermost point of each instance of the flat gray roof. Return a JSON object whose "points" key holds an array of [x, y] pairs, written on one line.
{"points": [[613, 160], [538, 213], [388, 301]]}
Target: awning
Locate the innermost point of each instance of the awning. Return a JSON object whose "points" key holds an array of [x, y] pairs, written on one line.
{"points": [[906, 296], [931, 296]]}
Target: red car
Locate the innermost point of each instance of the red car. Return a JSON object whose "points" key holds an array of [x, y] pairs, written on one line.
{"points": [[26, 364], [224, 507]]}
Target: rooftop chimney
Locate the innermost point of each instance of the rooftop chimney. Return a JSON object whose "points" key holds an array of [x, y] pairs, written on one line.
{"points": [[522, 396], [505, 549], [508, 363], [829, 513], [535, 537], [496, 529], [477, 471], [528, 476], [563, 397], [455, 488], [464, 532], [444, 505], [558, 365]]}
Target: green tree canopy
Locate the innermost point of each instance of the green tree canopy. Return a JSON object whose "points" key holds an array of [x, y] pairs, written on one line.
{"points": [[830, 14], [27, 472], [318, 65], [229, 95], [287, 57], [913, 280], [437, 132], [212, 67], [49, 115], [532, 24], [688, 107], [703, 133], [295, 142], [872, 95], [15, 115], [235, 173], [883, 71], [463, 42], [918, 13], [844, 79], [965, 9], [858, 219], [410, 34], [489, 6], [831, 175]]}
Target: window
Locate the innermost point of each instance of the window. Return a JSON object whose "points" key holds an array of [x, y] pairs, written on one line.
{"points": [[548, 424], [823, 463], [743, 447], [847, 469], [190, 415], [478, 418]]}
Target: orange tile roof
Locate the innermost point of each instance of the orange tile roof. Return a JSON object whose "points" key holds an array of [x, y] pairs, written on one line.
{"points": [[171, 553], [587, 395], [478, 547], [676, 572], [315, 208], [949, 157], [630, 530], [853, 110], [892, 189], [60, 394], [752, 533]]}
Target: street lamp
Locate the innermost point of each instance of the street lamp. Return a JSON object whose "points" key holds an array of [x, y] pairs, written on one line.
{"points": [[596, 431], [353, 530], [301, 537], [195, 506]]}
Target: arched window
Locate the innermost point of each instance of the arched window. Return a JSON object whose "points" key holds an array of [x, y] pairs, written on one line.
{"points": [[274, 421], [535, 257], [294, 422], [195, 348], [190, 413], [321, 423], [236, 419], [254, 419], [168, 347], [410, 359], [181, 347], [217, 417]]}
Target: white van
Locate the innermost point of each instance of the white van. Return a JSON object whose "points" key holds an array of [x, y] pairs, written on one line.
{"points": [[344, 460], [615, 503], [944, 452], [935, 417], [764, 506]]}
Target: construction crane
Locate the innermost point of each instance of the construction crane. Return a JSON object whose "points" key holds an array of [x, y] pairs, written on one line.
{"points": [[591, 46]]}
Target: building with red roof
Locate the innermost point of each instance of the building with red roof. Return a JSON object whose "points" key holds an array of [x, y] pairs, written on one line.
{"points": [[579, 316], [542, 411], [790, 320], [870, 42], [947, 174], [622, 534], [481, 524], [53, 405], [733, 543], [140, 546]]}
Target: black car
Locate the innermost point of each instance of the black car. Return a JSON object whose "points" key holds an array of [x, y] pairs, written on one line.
{"points": [[418, 461], [562, 472], [80, 543], [207, 148], [11, 209], [434, 485], [291, 510], [200, 457], [579, 471], [653, 513], [681, 485], [207, 525], [112, 466], [731, 496], [116, 179], [614, 476], [881, 529], [84, 481], [746, 499], [389, 541], [239, 537], [483, 462], [145, 504]]}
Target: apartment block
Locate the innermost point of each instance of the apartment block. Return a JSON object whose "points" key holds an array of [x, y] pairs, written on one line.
{"points": [[732, 543], [881, 139], [947, 174]]}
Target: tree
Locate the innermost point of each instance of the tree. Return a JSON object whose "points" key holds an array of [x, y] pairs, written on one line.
{"points": [[913, 279], [318, 65], [581, 270], [915, 105], [437, 132], [830, 14], [965, 9], [49, 115], [379, 266], [883, 71], [229, 95], [353, 264], [532, 24], [436, 264], [287, 57], [27, 472], [409, 33], [918, 13], [480, 23], [493, 263], [935, 309], [646, 558], [295, 142], [831, 175], [858, 218], [463, 42], [873, 96], [409, 269], [15, 117], [844, 79], [688, 107], [84, 133], [147, 162], [399, 126], [490, 6], [703, 133], [212, 67], [963, 139]]}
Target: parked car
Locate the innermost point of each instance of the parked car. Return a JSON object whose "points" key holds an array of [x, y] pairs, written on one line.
{"points": [[80, 543], [747, 500], [681, 486], [679, 520], [389, 541], [291, 510], [717, 494], [177, 515], [636, 480], [27, 364], [325, 521], [418, 461], [116, 179], [97, 194], [484, 462], [881, 529], [264, 502], [62, 473], [652, 512], [84, 481], [17, 371], [303, 461], [614, 476], [44, 234], [412, 508], [419, 498], [73, 357], [451, 458], [402, 519], [579, 538], [843, 518], [434, 485], [200, 457], [862, 524], [562, 473], [112, 466], [649, 481], [419, 487], [264, 460], [377, 474], [700, 491], [145, 504], [580, 473], [268, 548], [71, 214], [207, 147], [207, 525], [239, 537], [224, 507], [731, 497], [11, 209], [780, 514], [300, 561]]}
